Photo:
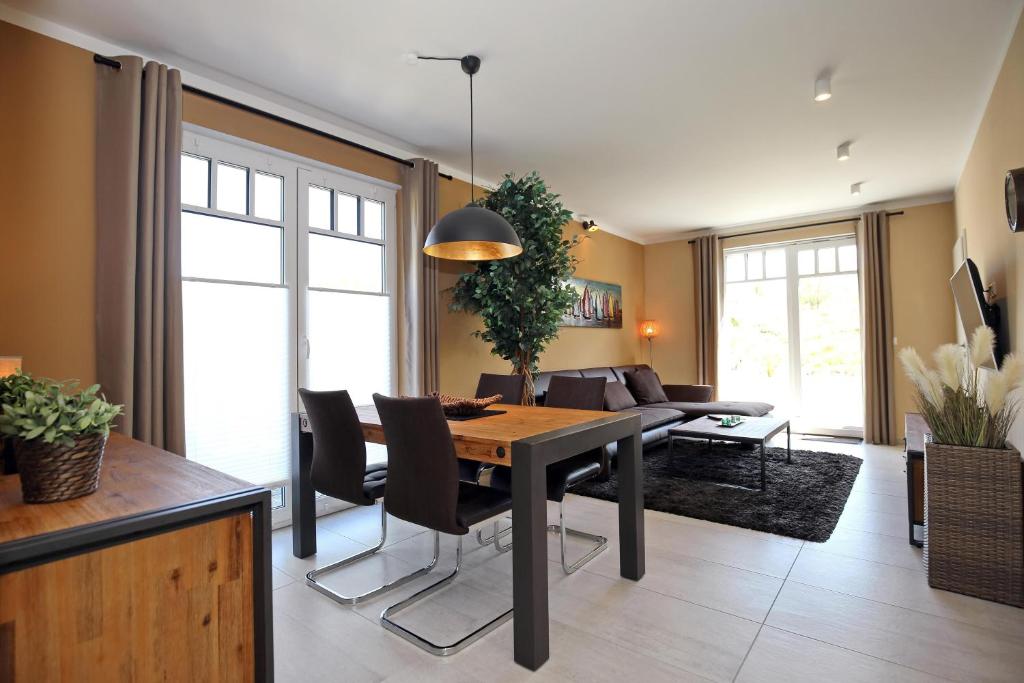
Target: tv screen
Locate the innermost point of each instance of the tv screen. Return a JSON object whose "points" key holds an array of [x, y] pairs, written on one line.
{"points": [[971, 306]]}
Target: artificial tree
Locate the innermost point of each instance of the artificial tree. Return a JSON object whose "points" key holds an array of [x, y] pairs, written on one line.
{"points": [[521, 299]]}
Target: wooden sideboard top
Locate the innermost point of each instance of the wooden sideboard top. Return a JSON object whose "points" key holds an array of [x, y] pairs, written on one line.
{"points": [[915, 429], [135, 478]]}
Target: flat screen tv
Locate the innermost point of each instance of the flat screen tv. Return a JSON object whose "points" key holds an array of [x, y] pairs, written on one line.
{"points": [[972, 308]]}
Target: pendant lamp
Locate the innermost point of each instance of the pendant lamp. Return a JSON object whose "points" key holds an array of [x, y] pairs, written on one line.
{"points": [[471, 233]]}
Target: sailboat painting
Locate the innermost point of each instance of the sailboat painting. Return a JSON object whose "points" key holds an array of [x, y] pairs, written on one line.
{"points": [[598, 304]]}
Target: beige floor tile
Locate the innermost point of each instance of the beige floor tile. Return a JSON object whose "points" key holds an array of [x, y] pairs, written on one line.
{"points": [[865, 545], [890, 486], [780, 657], [920, 641], [903, 588], [878, 502], [861, 519], [278, 579], [362, 524], [330, 547]]}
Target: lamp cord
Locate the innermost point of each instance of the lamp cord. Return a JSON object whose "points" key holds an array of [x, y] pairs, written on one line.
{"points": [[472, 154]]}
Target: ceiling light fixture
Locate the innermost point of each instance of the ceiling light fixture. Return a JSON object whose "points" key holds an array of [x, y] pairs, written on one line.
{"points": [[471, 233], [823, 87], [855, 189], [843, 151]]}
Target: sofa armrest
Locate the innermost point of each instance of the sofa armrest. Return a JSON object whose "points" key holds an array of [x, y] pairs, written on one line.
{"points": [[688, 393]]}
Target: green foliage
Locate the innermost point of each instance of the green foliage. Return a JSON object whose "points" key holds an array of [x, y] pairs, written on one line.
{"points": [[521, 299], [53, 411]]}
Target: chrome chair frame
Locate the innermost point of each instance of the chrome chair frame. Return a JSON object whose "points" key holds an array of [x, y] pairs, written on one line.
{"points": [[601, 543], [420, 641], [311, 577]]}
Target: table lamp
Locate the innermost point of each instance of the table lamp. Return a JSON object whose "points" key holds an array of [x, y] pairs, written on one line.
{"points": [[649, 329], [9, 365]]}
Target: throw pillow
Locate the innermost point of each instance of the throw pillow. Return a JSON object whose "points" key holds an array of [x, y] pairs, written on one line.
{"points": [[645, 386], [617, 397]]}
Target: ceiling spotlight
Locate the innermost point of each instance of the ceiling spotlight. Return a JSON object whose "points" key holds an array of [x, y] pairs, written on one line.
{"points": [[823, 88], [855, 189], [843, 151]]}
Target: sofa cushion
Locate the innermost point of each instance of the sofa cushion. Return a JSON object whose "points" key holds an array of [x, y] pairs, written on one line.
{"points": [[617, 397], [607, 373], [541, 381], [695, 410], [621, 370], [645, 386], [655, 417]]}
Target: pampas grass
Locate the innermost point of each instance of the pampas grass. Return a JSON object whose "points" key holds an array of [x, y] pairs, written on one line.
{"points": [[960, 408]]}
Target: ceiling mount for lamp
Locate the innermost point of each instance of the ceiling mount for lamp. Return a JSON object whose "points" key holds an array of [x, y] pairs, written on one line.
{"points": [[472, 233]]}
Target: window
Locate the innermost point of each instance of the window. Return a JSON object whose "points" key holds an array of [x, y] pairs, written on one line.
{"points": [[790, 332], [285, 284]]}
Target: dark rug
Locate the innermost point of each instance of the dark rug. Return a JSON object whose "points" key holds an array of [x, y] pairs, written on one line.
{"points": [[803, 499]]}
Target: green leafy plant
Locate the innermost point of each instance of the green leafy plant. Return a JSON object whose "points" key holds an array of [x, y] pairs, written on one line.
{"points": [[962, 407], [55, 412], [13, 387], [521, 299]]}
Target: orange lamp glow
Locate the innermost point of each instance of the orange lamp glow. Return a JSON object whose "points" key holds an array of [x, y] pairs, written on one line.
{"points": [[649, 328], [9, 365]]}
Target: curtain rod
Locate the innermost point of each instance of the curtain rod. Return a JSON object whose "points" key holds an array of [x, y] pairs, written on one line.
{"points": [[114, 64], [795, 227]]}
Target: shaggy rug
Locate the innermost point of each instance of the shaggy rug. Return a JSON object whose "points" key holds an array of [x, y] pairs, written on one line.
{"points": [[803, 499]]}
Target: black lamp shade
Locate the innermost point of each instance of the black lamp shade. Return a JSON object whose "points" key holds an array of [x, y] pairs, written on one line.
{"points": [[472, 233]]}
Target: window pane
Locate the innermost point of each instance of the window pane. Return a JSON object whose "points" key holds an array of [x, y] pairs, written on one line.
{"points": [[347, 218], [848, 257], [338, 263], [827, 260], [232, 188], [269, 192], [755, 265], [350, 344], [775, 263], [805, 262], [373, 219], [195, 180], [319, 208], [226, 249], [236, 344], [734, 268]]}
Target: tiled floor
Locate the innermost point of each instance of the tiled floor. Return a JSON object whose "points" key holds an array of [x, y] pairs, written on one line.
{"points": [[718, 603]]}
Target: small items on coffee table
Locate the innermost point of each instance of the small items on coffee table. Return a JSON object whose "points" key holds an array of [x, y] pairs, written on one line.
{"points": [[754, 430]]}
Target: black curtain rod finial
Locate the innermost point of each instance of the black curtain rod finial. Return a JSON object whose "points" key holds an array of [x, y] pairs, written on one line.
{"points": [[107, 61]]}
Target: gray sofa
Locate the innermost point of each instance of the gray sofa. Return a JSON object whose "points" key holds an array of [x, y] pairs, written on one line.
{"points": [[686, 402]]}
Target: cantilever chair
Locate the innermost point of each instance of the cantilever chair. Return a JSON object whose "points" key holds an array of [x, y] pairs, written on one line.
{"points": [[339, 470], [424, 488], [511, 389], [582, 393]]}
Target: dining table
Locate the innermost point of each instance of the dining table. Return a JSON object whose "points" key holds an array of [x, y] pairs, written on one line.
{"points": [[527, 439]]}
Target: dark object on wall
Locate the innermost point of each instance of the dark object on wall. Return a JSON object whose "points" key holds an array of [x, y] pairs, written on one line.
{"points": [[1014, 191], [974, 310]]}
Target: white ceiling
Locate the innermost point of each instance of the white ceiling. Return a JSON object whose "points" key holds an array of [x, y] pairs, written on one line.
{"points": [[653, 116]]}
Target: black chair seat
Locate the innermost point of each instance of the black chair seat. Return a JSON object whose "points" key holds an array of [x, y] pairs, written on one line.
{"points": [[561, 475], [375, 479], [477, 503]]}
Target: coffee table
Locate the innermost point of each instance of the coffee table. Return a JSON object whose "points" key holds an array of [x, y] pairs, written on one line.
{"points": [[753, 430]]}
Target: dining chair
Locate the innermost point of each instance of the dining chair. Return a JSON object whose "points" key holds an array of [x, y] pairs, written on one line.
{"points": [[581, 393], [424, 489], [339, 470], [511, 389]]}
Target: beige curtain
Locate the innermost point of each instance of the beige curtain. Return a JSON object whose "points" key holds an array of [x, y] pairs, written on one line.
{"points": [[707, 289], [138, 248], [876, 323], [418, 371]]}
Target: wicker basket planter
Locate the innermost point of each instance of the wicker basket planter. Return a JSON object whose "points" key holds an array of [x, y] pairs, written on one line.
{"points": [[974, 522], [51, 473]]}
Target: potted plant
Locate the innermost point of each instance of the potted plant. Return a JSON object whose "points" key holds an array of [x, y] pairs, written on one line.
{"points": [[974, 531], [59, 436], [521, 299], [12, 387]]}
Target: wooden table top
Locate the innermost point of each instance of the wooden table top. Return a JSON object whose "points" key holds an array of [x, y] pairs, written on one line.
{"points": [[752, 428], [481, 438], [135, 478]]}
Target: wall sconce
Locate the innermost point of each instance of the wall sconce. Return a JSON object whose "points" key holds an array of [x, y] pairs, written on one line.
{"points": [[590, 226], [649, 329], [9, 365]]}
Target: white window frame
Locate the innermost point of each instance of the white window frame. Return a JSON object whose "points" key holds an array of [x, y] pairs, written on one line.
{"points": [[217, 146], [792, 278]]}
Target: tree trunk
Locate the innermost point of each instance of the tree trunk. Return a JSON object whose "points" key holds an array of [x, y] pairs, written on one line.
{"points": [[521, 366]]}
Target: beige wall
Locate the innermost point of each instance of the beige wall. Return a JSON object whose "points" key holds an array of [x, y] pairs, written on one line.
{"points": [[47, 232], [980, 212], [921, 242], [48, 236]]}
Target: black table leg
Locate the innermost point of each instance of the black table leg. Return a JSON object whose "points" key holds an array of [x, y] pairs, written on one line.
{"points": [[530, 556], [763, 480], [789, 452], [263, 590], [631, 506], [303, 494]]}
